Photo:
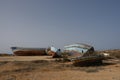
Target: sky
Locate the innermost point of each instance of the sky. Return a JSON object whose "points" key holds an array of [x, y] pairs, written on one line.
{"points": [[42, 23]]}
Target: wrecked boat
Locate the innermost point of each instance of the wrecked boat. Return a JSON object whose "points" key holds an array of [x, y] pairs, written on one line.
{"points": [[54, 52], [22, 51], [83, 54], [79, 49]]}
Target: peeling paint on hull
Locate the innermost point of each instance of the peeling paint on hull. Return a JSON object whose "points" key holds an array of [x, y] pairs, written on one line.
{"points": [[19, 51]]}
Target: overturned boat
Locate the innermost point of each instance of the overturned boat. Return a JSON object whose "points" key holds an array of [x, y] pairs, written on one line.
{"points": [[79, 49], [83, 54], [22, 51]]}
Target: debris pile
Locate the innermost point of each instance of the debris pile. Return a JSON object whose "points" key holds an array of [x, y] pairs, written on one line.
{"points": [[77, 53]]}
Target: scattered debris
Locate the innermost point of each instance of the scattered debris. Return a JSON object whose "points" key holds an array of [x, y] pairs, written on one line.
{"points": [[84, 54], [77, 53]]}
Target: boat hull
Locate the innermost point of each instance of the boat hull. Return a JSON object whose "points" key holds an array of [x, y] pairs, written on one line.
{"points": [[19, 51], [88, 60]]}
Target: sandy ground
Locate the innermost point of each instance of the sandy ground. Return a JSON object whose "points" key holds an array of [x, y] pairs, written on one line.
{"points": [[45, 68], [25, 58]]}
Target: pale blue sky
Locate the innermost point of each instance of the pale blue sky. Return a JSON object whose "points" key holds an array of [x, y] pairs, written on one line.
{"points": [[42, 23]]}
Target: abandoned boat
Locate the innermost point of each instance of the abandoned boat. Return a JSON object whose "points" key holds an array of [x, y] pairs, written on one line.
{"points": [[22, 51], [83, 54], [79, 49]]}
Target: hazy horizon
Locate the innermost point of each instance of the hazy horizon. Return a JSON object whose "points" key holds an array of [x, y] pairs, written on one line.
{"points": [[42, 23]]}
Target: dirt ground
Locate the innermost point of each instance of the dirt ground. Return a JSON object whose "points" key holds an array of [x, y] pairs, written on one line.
{"points": [[46, 68]]}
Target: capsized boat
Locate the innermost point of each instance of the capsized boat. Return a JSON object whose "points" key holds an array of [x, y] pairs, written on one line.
{"points": [[79, 49], [83, 54]]}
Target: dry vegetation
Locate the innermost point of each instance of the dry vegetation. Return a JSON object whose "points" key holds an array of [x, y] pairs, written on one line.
{"points": [[55, 70], [58, 69], [114, 53]]}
